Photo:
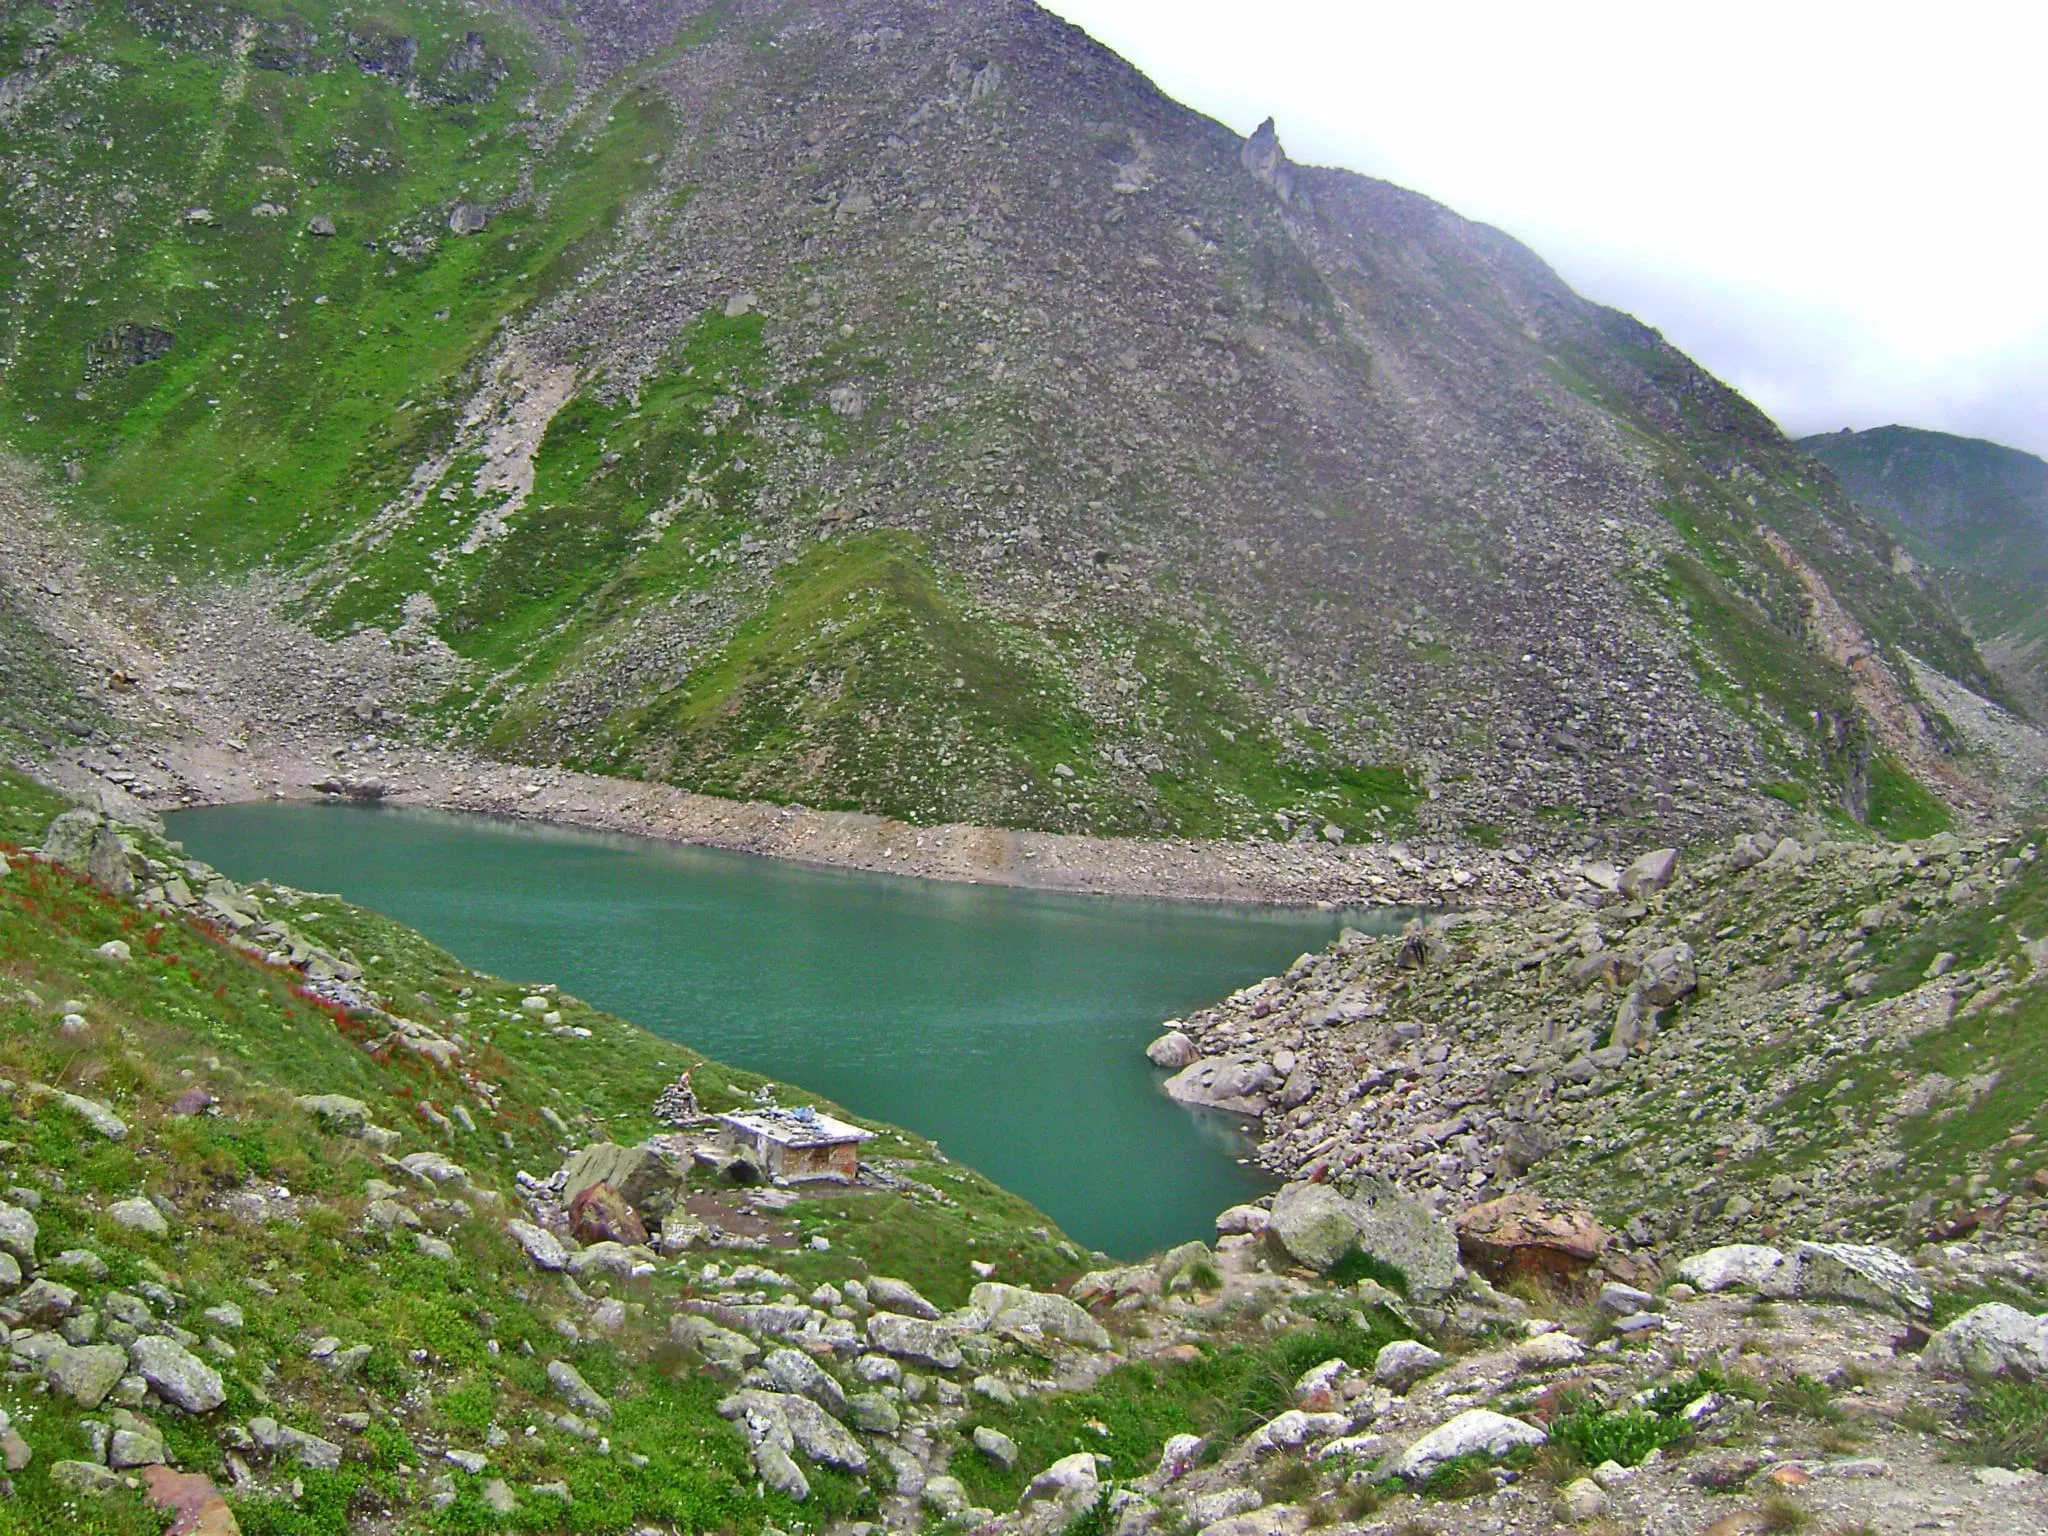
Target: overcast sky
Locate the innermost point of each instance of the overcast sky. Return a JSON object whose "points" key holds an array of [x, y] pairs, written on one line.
{"points": [[1840, 209]]}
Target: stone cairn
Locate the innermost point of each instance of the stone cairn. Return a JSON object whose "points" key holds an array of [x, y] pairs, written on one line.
{"points": [[677, 1103]]}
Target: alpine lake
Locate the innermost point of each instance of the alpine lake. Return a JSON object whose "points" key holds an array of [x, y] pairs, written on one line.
{"points": [[1008, 1025]]}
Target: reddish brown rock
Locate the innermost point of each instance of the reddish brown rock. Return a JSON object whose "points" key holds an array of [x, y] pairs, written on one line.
{"points": [[191, 1499], [600, 1214], [193, 1101], [1525, 1236]]}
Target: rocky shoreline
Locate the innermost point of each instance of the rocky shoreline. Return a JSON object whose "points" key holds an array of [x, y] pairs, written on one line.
{"points": [[1825, 1009], [1300, 873]]}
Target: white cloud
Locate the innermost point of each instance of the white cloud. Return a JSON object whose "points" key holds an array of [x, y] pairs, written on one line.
{"points": [[1839, 208]]}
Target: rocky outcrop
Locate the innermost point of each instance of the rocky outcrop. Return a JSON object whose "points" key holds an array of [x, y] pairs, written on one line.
{"points": [[1012, 1307], [650, 1177], [1526, 1236], [1237, 1087], [1320, 1227]]}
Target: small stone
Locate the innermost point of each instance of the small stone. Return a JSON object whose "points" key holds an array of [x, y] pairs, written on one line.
{"points": [[87, 1477], [996, 1446], [1403, 1363], [570, 1386], [139, 1215], [116, 951], [1624, 1300], [1582, 1501], [1548, 1351]]}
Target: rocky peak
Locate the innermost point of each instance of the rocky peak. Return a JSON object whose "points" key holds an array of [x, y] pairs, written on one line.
{"points": [[1263, 156]]}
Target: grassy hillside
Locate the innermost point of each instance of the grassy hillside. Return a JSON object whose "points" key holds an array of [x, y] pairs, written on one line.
{"points": [[274, 1212]]}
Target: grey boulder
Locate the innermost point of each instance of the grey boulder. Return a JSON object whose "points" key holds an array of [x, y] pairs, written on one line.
{"points": [[1318, 1227], [1991, 1340], [1237, 1086], [1861, 1273], [915, 1340], [1475, 1432], [579, 1394], [900, 1296], [177, 1375], [85, 1373], [1014, 1307]]}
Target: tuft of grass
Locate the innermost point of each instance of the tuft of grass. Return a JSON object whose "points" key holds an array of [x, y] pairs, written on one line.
{"points": [[1782, 1514], [1921, 1417], [1462, 1477], [1804, 1397], [2006, 1425], [1359, 1265], [1289, 1480]]}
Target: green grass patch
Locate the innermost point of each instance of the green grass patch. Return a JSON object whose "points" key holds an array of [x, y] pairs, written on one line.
{"points": [[1128, 1415], [1900, 806], [2006, 1425]]}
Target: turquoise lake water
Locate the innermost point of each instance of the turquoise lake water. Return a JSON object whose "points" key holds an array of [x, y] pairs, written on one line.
{"points": [[1007, 1025]]}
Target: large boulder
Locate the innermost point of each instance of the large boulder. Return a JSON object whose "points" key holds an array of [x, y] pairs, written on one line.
{"points": [[1526, 1236], [813, 1431], [893, 1295], [915, 1340], [1650, 873], [1070, 1484], [1014, 1307], [792, 1371], [86, 842], [1741, 1266], [1992, 1340], [1667, 975], [1401, 1364], [1861, 1273], [1475, 1432], [543, 1249], [651, 1178], [1237, 1086], [722, 1347], [598, 1213], [1173, 1050], [336, 1111], [1318, 1227], [179, 1377], [579, 1394], [85, 1373]]}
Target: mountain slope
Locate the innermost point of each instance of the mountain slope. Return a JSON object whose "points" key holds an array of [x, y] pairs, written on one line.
{"points": [[909, 408], [1974, 512]]}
